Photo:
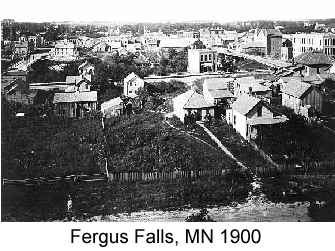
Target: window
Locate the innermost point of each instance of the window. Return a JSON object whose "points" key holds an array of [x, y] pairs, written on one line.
{"points": [[259, 111], [234, 119], [205, 57], [202, 58], [210, 57]]}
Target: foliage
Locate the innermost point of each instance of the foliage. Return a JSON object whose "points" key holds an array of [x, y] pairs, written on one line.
{"points": [[236, 144], [175, 62], [115, 68], [299, 141], [202, 216], [143, 142], [36, 146]]}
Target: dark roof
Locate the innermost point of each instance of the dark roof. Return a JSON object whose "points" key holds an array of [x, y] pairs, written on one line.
{"points": [[313, 58]]}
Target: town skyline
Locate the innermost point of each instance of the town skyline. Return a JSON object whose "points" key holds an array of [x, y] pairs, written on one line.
{"points": [[150, 11]]}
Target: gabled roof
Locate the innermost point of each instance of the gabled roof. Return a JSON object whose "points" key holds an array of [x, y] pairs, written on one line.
{"points": [[72, 97], [272, 32], [217, 83], [296, 88], [131, 77], [245, 103], [192, 100], [313, 58]]}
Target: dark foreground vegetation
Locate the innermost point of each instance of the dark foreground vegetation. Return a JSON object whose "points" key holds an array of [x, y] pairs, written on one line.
{"points": [[48, 202], [35, 146], [143, 142], [298, 141]]}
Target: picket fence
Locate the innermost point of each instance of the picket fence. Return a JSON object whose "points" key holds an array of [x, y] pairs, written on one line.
{"points": [[163, 176]]}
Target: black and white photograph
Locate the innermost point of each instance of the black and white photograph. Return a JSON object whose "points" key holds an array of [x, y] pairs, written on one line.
{"points": [[168, 111]]}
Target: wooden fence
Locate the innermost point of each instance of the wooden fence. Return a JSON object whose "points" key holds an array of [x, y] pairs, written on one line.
{"points": [[163, 176], [288, 168]]}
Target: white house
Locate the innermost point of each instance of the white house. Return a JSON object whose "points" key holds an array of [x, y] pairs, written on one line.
{"points": [[64, 50], [131, 84], [201, 60], [112, 108], [248, 113], [191, 102]]}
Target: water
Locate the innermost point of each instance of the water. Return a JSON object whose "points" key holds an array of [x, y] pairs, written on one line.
{"points": [[234, 198]]}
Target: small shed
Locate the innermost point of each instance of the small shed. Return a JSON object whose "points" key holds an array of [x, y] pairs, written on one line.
{"points": [[112, 108]]}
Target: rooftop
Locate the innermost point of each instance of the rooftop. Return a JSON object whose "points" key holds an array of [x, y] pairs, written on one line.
{"points": [[222, 93], [130, 77], [115, 102], [245, 103], [313, 58], [72, 97], [192, 100], [267, 120], [295, 88], [246, 82], [217, 83]]}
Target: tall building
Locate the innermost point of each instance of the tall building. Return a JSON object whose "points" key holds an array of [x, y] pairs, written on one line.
{"points": [[321, 42], [271, 39], [202, 60]]}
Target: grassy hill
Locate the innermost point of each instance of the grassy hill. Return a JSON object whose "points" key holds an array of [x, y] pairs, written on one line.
{"points": [[143, 142]]}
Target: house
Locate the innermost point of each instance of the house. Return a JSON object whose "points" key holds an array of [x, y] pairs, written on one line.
{"points": [[112, 108], [18, 91], [131, 84], [86, 70], [320, 42], [250, 85], [21, 49], [271, 40], [74, 104], [253, 48], [201, 60], [217, 92], [64, 50], [101, 47], [248, 114], [313, 63], [301, 96], [287, 50], [73, 79], [191, 102]]}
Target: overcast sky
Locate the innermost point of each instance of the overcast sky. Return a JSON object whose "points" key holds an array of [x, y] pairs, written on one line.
{"points": [[167, 10]]}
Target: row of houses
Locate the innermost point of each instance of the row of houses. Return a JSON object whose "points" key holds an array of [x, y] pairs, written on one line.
{"points": [[246, 102]]}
